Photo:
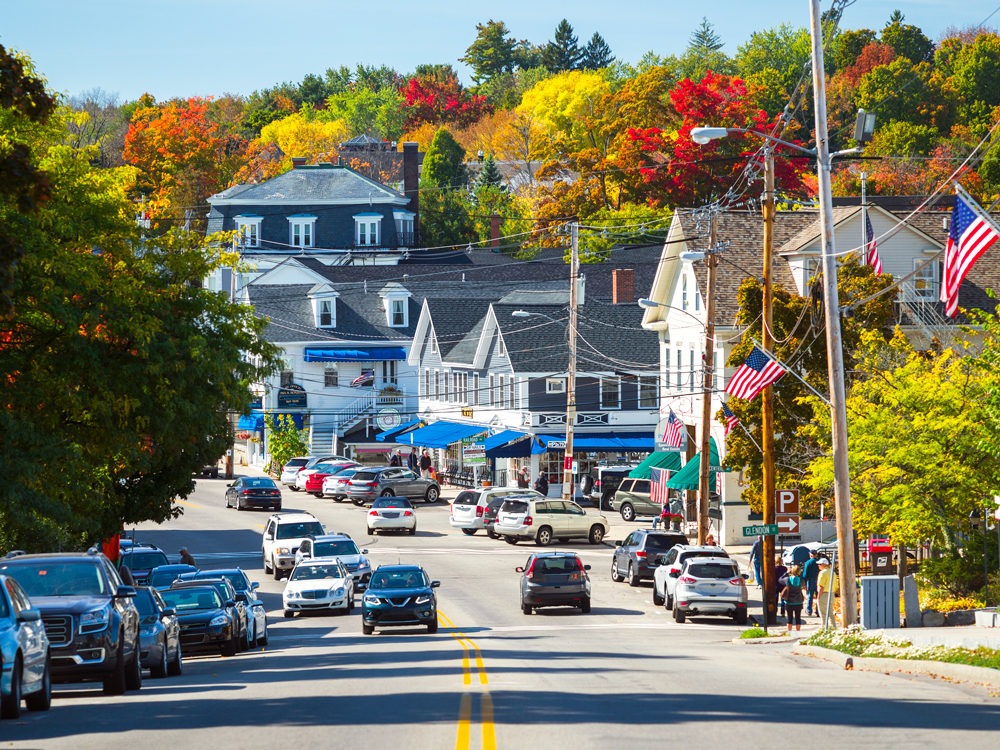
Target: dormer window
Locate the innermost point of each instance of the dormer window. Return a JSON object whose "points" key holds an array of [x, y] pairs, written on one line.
{"points": [[248, 231], [367, 229], [397, 312], [301, 230], [325, 314], [324, 304]]}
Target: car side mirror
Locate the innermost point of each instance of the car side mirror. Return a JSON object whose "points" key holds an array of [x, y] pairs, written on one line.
{"points": [[169, 612], [364, 552], [125, 592], [746, 577], [229, 485], [586, 567], [241, 597], [255, 585], [268, 537], [675, 574], [661, 559], [435, 584], [29, 615], [230, 603], [519, 569], [618, 543]]}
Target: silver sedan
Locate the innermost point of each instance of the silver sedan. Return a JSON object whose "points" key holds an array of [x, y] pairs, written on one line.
{"points": [[392, 513]]}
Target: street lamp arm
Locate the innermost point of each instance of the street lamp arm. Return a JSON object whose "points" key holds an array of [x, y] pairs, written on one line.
{"points": [[647, 303], [704, 135]]}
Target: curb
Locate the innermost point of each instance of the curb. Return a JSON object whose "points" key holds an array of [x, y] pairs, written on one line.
{"points": [[771, 639], [963, 672]]}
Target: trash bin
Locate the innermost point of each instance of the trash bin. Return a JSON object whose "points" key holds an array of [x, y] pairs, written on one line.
{"points": [[879, 602]]}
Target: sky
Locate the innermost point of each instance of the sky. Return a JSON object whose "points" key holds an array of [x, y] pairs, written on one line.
{"points": [[209, 47]]}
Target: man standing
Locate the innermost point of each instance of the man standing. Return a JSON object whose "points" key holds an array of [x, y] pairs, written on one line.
{"points": [[186, 558], [523, 478], [757, 559], [413, 461], [394, 461], [826, 586], [425, 465], [810, 572]]}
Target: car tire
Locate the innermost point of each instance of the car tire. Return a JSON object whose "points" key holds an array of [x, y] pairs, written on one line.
{"points": [[526, 608], [510, 540], [585, 606], [492, 534], [628, 512], [215, 474], [678, 615], [544, 537], [596, 534], [176, 667], [386, 493], [133, 673], [413, 531], [657, 599], [277, 507], [468, 532], [275, 570], [432, 627], [288, 613], [668, 601], [246, 642], [367, 629], [740, 617], [42, 699], [160, 670], [606, 503], [227, 501], [262, 638], [229, 647], [10, 704], [433, 494], [371, 532], [633, 577], [359, 503], [293, 488], [114, 682], [615, 575], [239, 503]]}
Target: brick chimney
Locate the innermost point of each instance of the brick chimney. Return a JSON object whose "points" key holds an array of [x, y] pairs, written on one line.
{"points": [[623, 286], [411, 181], [298, 161], [495, 232]]}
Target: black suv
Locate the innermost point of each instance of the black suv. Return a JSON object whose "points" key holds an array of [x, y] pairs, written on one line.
{"points": [[635, 557], [89, 616], [141, 559]]}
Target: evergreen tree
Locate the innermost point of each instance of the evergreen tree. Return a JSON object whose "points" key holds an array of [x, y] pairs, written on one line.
{"points": [[444, 165], [492, 53], [906, 40], [563, 53], [705, 53], [490, 175], [597, 54], [704, 40]]}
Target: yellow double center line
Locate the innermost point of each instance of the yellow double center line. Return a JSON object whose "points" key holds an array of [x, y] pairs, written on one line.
{"points": [[470, 651]]}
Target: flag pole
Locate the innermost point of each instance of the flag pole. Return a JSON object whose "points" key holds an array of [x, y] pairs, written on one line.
{"points": [[788, 369], [864, 222]]}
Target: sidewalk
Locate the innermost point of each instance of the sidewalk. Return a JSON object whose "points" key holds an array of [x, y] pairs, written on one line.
{"points": [[968, 636]]}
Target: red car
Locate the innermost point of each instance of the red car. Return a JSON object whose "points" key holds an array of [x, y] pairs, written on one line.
{"points": [[314, 479]]}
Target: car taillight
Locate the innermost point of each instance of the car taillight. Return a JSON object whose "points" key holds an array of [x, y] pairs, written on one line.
{"points": [[640, 553], [597, 484], [371, 484], [407, 513], [527, 520], [579, 564], [479, 511], [530, 571], [373, 513], [736, 581], [687, 579], [245, 492]]}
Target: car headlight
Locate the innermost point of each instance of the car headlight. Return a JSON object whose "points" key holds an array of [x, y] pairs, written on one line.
{"points": [[282, 551], [95, 620], [371, 599], [426, 599], [291, 594], [219, 620], [339, 591], [148, 630], [363, 564]]}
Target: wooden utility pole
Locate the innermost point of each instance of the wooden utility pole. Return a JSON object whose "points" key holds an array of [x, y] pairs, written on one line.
{"points": [[574, 267], [835, 353], [769, 584], [704, 486]]}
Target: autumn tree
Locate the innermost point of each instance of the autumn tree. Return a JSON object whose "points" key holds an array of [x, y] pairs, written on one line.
{"points": [[908, 41], [849, 44], [299, 135], [440, 102]]}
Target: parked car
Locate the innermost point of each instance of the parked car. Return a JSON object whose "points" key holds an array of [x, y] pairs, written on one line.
{"points": [[368, 484], [490, 516], [399, 595], [468, 510], [335, 485], [531, 518], [341, 547], [161, 577], [89, 617], [711, 586], [236, 608], [211, 469], [141, 560], [290, 471], [554, 579], [637, 556], [317, 584], [25, 670], [159, 634], [799, 553], [632, 499], [313, 460], [250, 492], [669, 567], [206, 624], [282, 535], [607, 480], [246, 592], [392, 513], [319, 472]]}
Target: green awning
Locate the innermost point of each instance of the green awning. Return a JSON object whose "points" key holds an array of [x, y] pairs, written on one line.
{"points": [[689, 476], [670, 460]]}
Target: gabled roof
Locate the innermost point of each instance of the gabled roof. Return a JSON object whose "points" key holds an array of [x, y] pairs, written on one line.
{"points": [[812, 232], [317, 184]]}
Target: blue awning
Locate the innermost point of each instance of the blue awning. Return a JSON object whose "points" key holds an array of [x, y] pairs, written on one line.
{"points": [[441, 434], [602, 442], [513, 444], [356, 354], [390, 434], [254, 422]]}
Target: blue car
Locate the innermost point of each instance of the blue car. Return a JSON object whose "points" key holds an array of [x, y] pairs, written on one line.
{"points": [[161, 577], [399, 596], [24, 653]]}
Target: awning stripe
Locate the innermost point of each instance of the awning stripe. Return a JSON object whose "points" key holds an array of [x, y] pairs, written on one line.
{"points": [[441, 434], [355, 354]]}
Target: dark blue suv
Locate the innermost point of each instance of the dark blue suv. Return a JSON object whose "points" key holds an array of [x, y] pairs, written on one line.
{"points": [[399, 595]]}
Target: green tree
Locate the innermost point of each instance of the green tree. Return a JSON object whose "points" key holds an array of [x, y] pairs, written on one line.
{"points": [[848, 46], [977, 81], [563, 53], [367, 111], [908, 41], [704, 53], [904, 139], [704, 40], [444, 162], [597, 54], [446, 218], [489, 176], [784, 49], [492, 53], [283, 440]]}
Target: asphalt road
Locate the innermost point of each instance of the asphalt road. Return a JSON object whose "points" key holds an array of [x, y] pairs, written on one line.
{"points": [[624, 675]]}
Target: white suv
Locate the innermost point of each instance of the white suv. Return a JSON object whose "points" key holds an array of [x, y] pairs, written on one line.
{"points": [[290, 471], [283, 534], [542, 520], [469, 508], [669, 569]]}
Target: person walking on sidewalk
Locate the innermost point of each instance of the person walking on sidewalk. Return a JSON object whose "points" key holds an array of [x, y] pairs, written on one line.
{"points": [[810, 572], [757, 560], [826, 585], [779, 571], [792, 597], [425, 465], [413, 461]]}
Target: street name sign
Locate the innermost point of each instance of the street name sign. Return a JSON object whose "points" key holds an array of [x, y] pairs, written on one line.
{"points": [[770, 529]]}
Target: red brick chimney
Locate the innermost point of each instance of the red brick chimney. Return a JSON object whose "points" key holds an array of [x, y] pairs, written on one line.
{"points": [[623, 286], [411, 181], [495, 232], [298, 161]]}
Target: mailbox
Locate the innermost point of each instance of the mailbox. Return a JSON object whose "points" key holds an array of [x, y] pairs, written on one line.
{"points": [[880, 556]]}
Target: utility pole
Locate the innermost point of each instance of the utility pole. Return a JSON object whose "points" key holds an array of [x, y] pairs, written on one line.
{"points": [[769, 585], [707, 386], [574, 267], [835, 352]]}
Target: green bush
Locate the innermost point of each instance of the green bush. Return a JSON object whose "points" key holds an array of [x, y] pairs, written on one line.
{"points": [[961, 576]]}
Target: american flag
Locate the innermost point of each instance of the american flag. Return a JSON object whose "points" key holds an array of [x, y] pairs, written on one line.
{"points": [[672, 432], [971, 234], [754, 375], [871, 256], [731, 419], [658, 491]]}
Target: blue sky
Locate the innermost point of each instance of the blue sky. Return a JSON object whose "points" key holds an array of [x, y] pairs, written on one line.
{"points": [[188, 47]]}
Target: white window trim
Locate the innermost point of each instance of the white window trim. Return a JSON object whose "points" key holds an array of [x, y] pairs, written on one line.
{"points": [[618, 403], [243, 236], [318, 310], [369, 220], [930, 295], [684, 291], [390, 303], [403, 221], [303, 221], [327, 368], [475, 389], [555, 385]]}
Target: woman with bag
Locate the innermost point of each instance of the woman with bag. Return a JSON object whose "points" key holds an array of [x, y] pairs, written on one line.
{"points": [[792, 597]]}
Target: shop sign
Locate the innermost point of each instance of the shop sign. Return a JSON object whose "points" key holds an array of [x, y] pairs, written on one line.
{"points": [[557, 444], [467, 413], [474, 453], [291, 395], [388, 418]]}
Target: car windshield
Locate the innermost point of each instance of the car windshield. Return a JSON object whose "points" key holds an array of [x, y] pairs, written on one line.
{"points": [[144, 560], [237, 579], [260, 482], [366, 475], [192, 600], [324, 468], [165, 577], [296, 463], [699, 553], [662, 541], [398, 579], [334, 549], [316, 572], [344, 471], [144, 603], [300, 529], [465, 498], [712, 570], [392, 502], [515, 506], [557, 564], [58, 579]]}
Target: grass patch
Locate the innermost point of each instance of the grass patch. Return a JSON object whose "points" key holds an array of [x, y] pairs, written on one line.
{"points": [[857, 642], [758, 632]]}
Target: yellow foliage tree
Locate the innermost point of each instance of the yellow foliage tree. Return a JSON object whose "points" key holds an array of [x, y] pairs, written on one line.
{"points": [[297, 136], [562, 101], [422, 135]]}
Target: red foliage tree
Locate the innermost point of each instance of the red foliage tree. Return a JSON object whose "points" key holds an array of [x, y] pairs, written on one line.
{"points": [[871, 57], [429, 100]]}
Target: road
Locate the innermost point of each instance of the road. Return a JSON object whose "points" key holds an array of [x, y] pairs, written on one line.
{"points": [[491, 677]]}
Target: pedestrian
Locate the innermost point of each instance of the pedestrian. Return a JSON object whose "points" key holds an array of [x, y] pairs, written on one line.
{"points": [[826, 584], [710, 540], [810, 572], [394, 461], [425, 465], [792, 597], [757, 559], [413, 460], [542, 484], [186, 558], [779, 571], [524, 478], [663, 518]]}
